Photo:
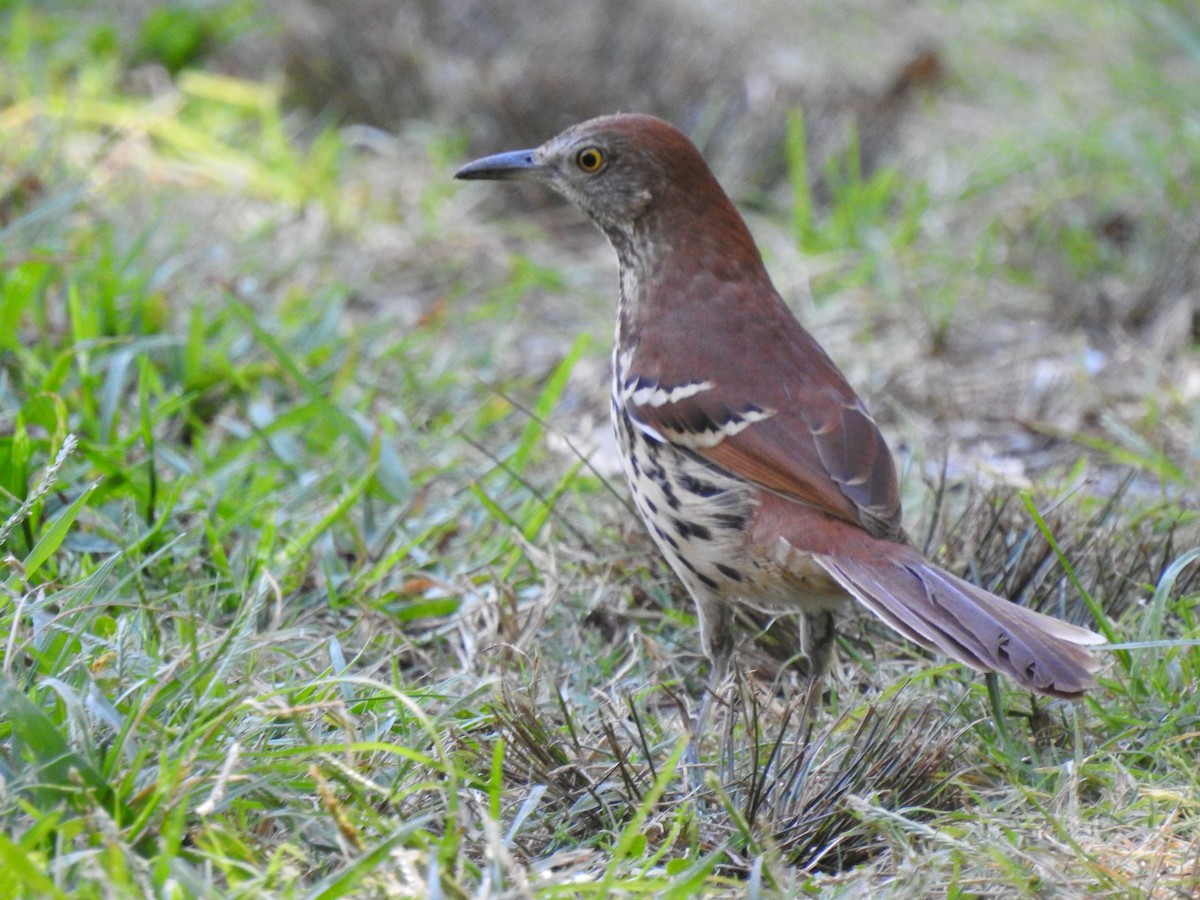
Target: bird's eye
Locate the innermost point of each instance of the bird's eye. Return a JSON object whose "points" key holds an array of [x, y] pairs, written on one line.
{"points": [[590, 160]]}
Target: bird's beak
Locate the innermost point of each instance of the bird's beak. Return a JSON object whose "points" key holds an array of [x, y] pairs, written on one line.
{"points": [[502, 167]]}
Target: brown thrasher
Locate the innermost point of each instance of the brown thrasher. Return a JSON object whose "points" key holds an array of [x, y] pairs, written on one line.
{"points": [[758, 471]]}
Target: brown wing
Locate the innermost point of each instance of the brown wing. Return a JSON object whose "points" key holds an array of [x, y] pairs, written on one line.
{"points": [[777, 413]]}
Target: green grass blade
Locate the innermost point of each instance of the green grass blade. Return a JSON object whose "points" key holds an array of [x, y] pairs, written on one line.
{"points": [[53, 537], [19, 877], [546, 401]]}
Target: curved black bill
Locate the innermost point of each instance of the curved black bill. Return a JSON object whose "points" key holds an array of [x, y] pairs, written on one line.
{"points": [[500, 167]]}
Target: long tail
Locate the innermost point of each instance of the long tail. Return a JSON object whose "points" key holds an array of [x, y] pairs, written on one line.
{"points": [[944, 613]]}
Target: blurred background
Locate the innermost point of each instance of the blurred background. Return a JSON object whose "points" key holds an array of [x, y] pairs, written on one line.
{"points": [[515, 72]]}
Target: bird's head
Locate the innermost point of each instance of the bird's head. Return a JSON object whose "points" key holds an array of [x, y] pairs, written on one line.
{"points": [[615, 168], [647, 187]]}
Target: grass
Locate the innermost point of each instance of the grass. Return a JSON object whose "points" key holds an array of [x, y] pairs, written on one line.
{"points": [[307, 592]]}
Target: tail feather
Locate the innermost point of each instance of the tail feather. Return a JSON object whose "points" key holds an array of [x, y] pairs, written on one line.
{"points": [[944, 613]]}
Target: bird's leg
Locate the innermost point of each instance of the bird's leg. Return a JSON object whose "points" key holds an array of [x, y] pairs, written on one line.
{"points": [[717, 673], [716, 637], [817, 636]]}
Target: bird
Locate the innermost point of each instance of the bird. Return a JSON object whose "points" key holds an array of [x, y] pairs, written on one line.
{"points": [[759, 473]]}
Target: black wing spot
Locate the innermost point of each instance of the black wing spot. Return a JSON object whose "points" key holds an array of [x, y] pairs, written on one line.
{"points": [[658, 529], [729, 572], [688, 530], [669, 492], [732, 521], [699, 488]]}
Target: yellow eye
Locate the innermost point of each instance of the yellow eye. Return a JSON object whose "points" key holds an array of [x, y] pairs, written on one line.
{"points": [[590, 160]]}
